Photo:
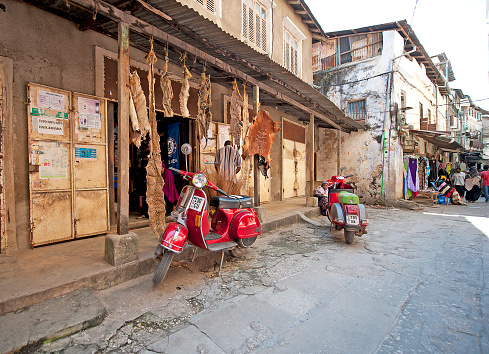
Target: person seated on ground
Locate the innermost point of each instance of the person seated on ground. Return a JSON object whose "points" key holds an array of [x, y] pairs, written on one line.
{"points": [[321, 193], [448, 191]]}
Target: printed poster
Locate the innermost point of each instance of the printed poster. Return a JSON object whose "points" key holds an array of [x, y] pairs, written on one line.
{"points": [[51, 100], [53, 160], [224, 134], [89, 114], [46, 125]]}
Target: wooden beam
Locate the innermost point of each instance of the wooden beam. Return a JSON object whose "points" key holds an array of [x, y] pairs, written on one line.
{"points": [[310, 156], [256, 171], [123, 130], [148, 30]]}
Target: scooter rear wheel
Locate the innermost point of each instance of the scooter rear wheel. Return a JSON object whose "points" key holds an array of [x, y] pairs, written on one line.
{"points": [[162, 267], [246, 242], [349, 235]]}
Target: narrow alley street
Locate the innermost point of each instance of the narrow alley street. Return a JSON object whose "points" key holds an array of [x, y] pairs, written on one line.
{"points": [[414, 283]]}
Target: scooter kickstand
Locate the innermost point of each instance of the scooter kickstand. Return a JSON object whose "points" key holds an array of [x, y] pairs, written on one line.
{"points": [[194, 255], [220, 265]]}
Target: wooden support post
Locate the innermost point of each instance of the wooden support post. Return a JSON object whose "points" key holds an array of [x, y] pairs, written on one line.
{"points": [[123, 131], [256, 171], [310, 156], [111, 161], [338, 160]]}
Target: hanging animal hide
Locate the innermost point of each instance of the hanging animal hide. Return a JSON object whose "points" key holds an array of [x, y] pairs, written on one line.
{"points": [[184, 92], [204, 103], [236, 123], [139, 99], [261, 136], [134, 133], [154, 179], [167, 89]]}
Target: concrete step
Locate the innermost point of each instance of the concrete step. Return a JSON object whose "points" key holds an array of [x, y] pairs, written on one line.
{"points": [[26, 329]]}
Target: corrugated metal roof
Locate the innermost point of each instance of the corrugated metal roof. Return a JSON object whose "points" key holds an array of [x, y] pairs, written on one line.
{"points": [[190, 27]]}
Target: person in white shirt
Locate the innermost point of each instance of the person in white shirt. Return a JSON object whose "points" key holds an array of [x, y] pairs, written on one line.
{"points": [[458, 181], [228, 161]]}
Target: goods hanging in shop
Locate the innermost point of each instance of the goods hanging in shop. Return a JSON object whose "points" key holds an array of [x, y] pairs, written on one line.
{"points": [[165, 84], [184, 92], [154, 179], [204, 115], [236, 122], [261, 136], [139, 100]]}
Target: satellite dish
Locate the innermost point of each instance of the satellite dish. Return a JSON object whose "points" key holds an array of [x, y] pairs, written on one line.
{"points": [[186, 149]]}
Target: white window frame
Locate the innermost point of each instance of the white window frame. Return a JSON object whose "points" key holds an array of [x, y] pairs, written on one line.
{"points": [[203, 3], [268, 5], [290, 27]]}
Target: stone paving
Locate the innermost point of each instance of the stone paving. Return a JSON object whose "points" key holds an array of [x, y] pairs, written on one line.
{"points": [[414, 283]]}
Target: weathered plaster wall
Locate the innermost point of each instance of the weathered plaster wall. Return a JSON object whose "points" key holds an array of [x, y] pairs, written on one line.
{"points": [[359, 154]]}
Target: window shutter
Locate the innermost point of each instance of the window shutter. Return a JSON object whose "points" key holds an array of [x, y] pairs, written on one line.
{"points": [[264, 30], [251, 36], [245, 20]]}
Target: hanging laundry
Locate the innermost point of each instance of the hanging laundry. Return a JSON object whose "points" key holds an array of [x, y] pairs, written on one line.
{"points": [[413, 180]]}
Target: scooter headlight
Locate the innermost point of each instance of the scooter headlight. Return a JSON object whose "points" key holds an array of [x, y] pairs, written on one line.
{"points": [[199, 180]]}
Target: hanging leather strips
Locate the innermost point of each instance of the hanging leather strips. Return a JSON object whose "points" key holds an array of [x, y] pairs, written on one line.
{"points": [[154, 179]]}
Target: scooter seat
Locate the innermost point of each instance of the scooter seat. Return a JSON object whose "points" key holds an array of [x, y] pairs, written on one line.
{"points": [[232, 202]]}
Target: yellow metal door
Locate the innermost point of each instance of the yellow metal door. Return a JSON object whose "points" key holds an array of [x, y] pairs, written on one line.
{"points": [[50, 177], [91, 193], [293, 161]]}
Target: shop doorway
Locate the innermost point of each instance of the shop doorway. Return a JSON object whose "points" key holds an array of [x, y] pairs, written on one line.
{"points": [[179, 130]]}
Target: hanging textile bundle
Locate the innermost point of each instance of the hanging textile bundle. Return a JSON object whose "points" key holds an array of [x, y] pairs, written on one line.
{"points": [[165, 84], [260, 137], [139, 101], [134, 132], [154, 180], [184, 92], [236, 122], [204, 115], [246, 164]]}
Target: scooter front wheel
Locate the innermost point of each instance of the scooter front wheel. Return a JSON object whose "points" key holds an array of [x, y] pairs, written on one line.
{"points": [[162, 266], [349, 235]]}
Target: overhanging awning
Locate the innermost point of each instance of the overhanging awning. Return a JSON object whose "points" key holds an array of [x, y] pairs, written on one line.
{"points": [[439, 139], [183, 30]]}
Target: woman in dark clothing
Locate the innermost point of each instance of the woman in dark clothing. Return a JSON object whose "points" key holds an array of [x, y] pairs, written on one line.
{"points": [[472, 185], [322, 193]]}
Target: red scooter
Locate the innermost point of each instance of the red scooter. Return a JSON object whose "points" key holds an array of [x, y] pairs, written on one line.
{"points": [[344, 211], [234, 223]]}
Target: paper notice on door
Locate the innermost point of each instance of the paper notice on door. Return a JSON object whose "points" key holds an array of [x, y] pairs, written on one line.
{"points": [[52, 126], [89, 113], [52, 100], [53, 161]]}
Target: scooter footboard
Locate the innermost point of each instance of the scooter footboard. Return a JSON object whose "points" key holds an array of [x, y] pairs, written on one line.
{"points": [[174, 237]]}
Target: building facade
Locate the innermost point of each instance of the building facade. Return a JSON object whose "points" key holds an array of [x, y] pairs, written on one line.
{"points": [[383, 77], [60, 100]]}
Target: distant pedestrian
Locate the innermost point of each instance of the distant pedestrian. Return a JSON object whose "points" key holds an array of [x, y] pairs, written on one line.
{"points": [[485, 182], [458, 181], [228, 161], [472, 185]]}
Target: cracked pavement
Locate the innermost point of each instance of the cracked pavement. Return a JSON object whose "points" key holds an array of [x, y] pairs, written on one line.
{"points": [[415, 283]]}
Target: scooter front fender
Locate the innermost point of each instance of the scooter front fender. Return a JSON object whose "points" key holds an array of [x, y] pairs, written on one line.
{"points": [[174, 237]]}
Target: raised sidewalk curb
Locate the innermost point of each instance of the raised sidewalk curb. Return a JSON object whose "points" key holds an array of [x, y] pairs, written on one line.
{"points": [[120, 274], [25, 330]]}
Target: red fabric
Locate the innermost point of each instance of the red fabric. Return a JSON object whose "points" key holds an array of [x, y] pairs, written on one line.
{"points": [[485, 177]]}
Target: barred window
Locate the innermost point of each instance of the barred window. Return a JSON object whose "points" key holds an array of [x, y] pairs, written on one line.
{"points": [[291, 56], [209, 4], [357, 110], [255, 23]]}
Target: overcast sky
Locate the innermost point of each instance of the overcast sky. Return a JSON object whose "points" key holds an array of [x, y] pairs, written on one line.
{"points": [[457, 27]]}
